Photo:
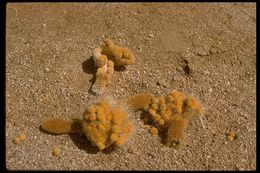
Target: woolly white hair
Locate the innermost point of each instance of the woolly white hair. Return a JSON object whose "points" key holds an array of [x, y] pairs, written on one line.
{"points": [[115, 102]]}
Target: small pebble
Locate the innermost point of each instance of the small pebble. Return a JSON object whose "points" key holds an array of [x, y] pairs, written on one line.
{"points": [[202, 52], [177, 78], [153, 131], [162, 83], [47, 69], [56, 151], [151, 155], [231, 136], [238, 167], [130, 150], [139, 48], [151, 35], [146, 126], [179, 68], [213, 50]]}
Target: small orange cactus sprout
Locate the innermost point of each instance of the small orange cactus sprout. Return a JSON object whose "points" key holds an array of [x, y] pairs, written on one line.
{"points": [[231, 135], [20, 138], [17, 140], [110, 127], [56, 151], [23, 136], [153, 131]]}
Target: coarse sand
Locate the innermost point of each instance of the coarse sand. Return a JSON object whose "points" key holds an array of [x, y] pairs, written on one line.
{"points": [[207, 50]]}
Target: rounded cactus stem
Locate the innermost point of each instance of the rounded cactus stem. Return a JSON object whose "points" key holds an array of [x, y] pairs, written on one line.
{"points": [[113, 137], [140, 101], [60, 126], [104, 132], [102, 79], [175, 133], [119, 55]]}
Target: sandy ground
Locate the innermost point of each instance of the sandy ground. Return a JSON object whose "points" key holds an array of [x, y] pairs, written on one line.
{"points": [[208, 50]]}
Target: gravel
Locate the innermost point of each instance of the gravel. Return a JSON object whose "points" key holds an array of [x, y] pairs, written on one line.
{"points": [[48, 43]]}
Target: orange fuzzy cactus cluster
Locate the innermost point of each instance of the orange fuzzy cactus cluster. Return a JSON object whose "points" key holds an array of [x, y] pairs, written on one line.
{"points": [[104, 125], [105, 58], [170, 113], [119, 55]]}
